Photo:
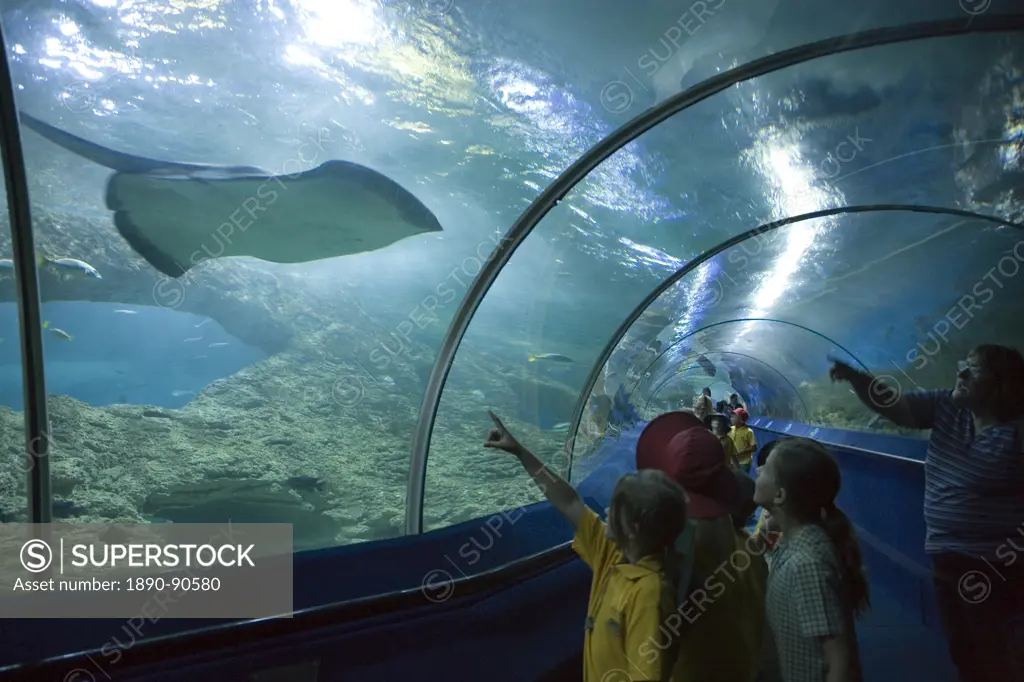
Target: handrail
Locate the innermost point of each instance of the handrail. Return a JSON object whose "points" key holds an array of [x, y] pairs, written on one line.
{"points": [[37, 440], [892, 554], [205, 640], [593, 157], [853, 448], [653, 296]]}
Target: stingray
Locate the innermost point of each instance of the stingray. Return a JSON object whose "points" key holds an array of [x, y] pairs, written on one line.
{"points": [[177, 215]]}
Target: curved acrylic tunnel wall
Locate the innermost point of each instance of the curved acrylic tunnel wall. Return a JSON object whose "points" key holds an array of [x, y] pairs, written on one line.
{"points": [[716, 331], [14, 505], [853, 309], [783, 147]]}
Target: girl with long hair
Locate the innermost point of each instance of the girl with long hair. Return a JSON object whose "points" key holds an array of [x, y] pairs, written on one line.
{"points": [[817, 585]]}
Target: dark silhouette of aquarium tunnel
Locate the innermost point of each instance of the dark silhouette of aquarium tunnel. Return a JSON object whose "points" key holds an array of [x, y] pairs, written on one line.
{"points": [[493, 590]]}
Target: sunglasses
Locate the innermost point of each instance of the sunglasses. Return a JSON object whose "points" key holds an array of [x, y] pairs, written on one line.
{"points": [[964, 367]]}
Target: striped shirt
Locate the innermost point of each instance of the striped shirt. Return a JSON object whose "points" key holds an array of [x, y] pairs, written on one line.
{"points": [[974, 483]]}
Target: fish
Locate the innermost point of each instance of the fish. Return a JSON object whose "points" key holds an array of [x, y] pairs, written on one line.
{"points": [[563, 426], [59, 333], [705, 50], [178, 394], [197, 326], [551, 357], [68, 264], [218, 345], [706, 365], [177, 215], [126, 312], [193, 339], [57, 265]]}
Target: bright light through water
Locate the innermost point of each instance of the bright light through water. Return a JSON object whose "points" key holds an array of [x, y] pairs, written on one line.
{"points": [[791, 192], [339, 23]]}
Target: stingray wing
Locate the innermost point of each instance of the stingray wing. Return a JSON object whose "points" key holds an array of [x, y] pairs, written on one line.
{"points": [[336, 209], [126, 163]]}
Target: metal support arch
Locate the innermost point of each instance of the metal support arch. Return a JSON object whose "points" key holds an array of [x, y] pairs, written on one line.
{"points": [[37, 439], [737, 320], [591, 159]]}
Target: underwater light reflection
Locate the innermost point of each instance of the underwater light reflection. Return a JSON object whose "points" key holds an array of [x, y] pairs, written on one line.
{"points": [[338, 23], [794, 192], [697, 284]]}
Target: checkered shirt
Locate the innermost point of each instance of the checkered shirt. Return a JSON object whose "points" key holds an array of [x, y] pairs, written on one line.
{"points": [[805, 602]]}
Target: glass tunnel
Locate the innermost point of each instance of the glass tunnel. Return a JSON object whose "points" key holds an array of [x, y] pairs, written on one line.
{"points": [[722, 198]]}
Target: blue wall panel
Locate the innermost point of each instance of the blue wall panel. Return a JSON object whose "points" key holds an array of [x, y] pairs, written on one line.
{"points": [[515, 632], [884, 497]]}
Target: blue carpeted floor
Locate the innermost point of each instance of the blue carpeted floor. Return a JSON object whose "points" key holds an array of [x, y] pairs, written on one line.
{"points": [[895, 648]]}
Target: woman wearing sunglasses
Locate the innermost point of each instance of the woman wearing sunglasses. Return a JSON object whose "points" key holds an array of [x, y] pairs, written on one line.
{"points": [[973, 502]]}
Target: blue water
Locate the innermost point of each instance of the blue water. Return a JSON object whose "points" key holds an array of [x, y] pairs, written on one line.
{"points": [[155, 356]]}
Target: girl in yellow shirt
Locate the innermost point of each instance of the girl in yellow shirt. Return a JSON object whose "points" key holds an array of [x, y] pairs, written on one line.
{"points": [[720, 427], [632, 594], [743, 438]]}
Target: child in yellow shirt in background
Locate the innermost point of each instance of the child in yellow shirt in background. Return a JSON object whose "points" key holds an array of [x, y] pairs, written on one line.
{"points": [[720, 427], [743, 438]]}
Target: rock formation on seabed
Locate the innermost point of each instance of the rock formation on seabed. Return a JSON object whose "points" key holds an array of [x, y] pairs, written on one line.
{"points": [[306, 436]]}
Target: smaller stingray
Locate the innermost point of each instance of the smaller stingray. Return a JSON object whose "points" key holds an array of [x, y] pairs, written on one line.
{"points": [[177, 215], [706, 365]]}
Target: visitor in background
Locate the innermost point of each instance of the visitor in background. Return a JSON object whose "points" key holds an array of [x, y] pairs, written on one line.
{"points": [[702, 405], [766, 527], [973, 501], [720, 427], [722, 599], [722, 407], [816, 586], [743, 438], [631, 593], [735, 403]]}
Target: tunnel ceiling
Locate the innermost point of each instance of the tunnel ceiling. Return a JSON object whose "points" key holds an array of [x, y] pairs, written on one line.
{"points": [[761, 320], [848, 146]]}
